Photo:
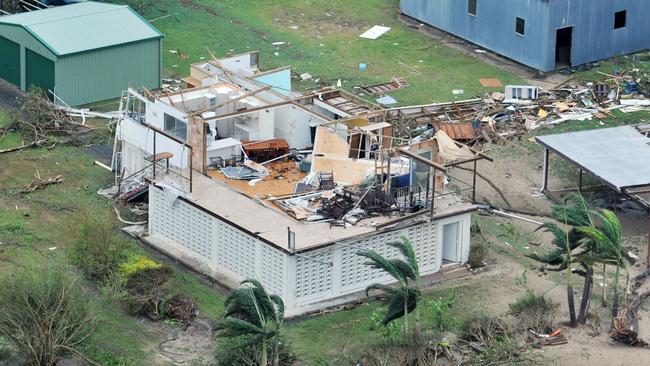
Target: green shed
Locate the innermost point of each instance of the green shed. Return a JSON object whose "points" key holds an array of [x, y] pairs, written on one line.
{"points": [[84, 52]]}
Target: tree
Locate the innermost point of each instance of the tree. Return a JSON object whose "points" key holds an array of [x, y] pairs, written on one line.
{"points": [[606, 241], [406, 297], [571, 247], [44, 313], [251, 311]]}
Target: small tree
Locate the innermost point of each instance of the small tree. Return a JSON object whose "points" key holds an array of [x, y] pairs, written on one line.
{"points": [[44, 313], [98, 248], [404, 298], [251, 311]]}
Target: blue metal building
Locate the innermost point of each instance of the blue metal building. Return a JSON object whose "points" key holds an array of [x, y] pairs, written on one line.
{"points": [[543, 34]]}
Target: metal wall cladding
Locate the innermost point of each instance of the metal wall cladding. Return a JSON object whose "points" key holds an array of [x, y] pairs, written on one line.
{"points": [[10, 61], [104, 73], [39, 71], [493, 27]]}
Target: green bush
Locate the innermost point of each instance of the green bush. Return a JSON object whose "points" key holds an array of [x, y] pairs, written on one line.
{"points": [[44, 313], [98, 248], [534, 312], [392, 329], [440, 311], [244, 351]]}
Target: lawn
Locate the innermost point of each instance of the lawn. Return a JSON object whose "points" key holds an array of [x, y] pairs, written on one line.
{"points": [[321, 38]]}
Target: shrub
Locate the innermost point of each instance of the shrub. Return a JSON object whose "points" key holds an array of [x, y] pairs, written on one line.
{"points": [[44, 313], [440, 311], [144, 282], [181, 308], [493, 340], [412, 351], [97, 247], [137, 264], [478, 252], [534, 312], [392, 329], [244, 351]]}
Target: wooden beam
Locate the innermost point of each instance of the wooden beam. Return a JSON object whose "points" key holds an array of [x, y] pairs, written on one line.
{"points": [[428, 162], [244, 96]]}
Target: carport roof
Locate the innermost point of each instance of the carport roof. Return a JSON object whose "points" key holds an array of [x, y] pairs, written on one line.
{"points": [[619, 156], [84, 26]]}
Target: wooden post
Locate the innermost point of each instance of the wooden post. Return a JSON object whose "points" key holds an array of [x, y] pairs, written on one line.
{"points": [[154, 154], [545, 170], [474, 184], [647, 262], [580, 182], [433, 192]]}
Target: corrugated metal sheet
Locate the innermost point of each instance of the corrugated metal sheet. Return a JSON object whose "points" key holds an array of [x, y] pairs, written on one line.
{"points": [[618, 156], [39, 71], [103, 74], [84, 26], [10, 61], [493, 27]]}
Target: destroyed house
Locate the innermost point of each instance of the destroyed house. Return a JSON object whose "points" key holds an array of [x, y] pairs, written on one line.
{"points": [[543, 34], [85, 52], [246, 182]]}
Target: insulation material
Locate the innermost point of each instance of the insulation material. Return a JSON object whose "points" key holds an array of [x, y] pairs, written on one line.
{"points": [[449, 150]]}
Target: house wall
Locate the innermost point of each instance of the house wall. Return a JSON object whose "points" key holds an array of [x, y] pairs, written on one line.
{"points": [[493, 27], [306, 282], [279, 79], [137, 142], [294, 125]]}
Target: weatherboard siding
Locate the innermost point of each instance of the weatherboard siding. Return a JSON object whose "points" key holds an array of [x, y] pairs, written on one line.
{"points": [[103, 74]]}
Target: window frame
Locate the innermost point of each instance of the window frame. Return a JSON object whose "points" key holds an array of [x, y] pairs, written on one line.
{"points": [[523, 23], [617, 19], [472, 4], [179, 128]]}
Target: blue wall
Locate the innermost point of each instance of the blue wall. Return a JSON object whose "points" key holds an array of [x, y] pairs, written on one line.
{"points": [[280, 80], [493, 27]]}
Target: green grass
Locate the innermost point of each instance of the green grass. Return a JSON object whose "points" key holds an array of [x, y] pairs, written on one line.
{"points": [[32, 230], [326, 44]]}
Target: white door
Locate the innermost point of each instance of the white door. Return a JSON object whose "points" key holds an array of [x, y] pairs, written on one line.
{"points": [[451, 242]]}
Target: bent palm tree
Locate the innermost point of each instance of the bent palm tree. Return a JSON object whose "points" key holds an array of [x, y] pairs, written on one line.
{"points": [[404, 298], [251, 311]]}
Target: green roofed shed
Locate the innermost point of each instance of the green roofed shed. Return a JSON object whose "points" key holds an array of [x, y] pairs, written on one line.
{"points": [[84, 52]]}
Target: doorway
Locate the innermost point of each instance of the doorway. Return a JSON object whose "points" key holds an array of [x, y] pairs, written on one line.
{"points": [[563, 44], [451, 243]]}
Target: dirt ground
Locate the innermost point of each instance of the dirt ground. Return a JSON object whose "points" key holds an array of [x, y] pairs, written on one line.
{"points": [[518, 175]]}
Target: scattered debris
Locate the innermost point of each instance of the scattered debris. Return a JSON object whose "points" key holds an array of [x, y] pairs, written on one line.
{"points": [[397, 82], [386, 100], [374, 32], [490, 83], [38, 182]]}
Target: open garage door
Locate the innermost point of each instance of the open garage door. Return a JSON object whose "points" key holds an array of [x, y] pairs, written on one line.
{"points": [[10, 61], [40, 71]]}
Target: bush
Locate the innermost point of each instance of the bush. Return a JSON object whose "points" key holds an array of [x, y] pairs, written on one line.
{"points": [[97, 247], [478, 252], [493, 340], [534, 312], [44, 313], [144, 282], [392, 329], [414, 350], [243, 351], [440, 311], [181, 308]]}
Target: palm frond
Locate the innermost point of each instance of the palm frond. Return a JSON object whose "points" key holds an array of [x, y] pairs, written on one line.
{"points": [[393, 291], [406, 248], [396, 305], [379, 262], [233, 327]]}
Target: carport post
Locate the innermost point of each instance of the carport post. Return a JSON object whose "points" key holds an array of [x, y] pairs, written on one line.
{"points": [[545, 170]]}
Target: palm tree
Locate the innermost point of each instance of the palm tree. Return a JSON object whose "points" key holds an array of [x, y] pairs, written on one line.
{"points": [[251, 311], [606, 239], [404, 298]]}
